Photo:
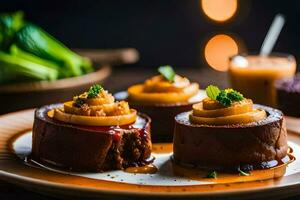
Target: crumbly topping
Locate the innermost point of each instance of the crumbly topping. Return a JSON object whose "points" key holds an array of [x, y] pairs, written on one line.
{"points": [[100, 103]]}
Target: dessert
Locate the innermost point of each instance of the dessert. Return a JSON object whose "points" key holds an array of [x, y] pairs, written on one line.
{"points": [[162, 97], [226, 131], [288, 95], [91, 133]]}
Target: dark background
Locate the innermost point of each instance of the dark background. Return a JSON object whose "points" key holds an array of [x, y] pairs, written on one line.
{"points": [[164, 31]]}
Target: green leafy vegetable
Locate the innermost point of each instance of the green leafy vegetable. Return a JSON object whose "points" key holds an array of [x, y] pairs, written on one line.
{"points": [[167, 72], [17, 52], [212, 92], [94, 91], [28, 53], [212, 174], [9, 25], [78, 102], [15, 68], [33, 39], [234, 95], [242, 173], [224, 97]]}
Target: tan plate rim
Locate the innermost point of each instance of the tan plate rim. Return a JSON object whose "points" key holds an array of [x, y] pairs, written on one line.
{"points": [[31, 183], [100, 74]]}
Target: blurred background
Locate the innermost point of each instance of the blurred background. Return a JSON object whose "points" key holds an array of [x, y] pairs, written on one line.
{"points": [[130, 39], [196, 37], [180, 33]]}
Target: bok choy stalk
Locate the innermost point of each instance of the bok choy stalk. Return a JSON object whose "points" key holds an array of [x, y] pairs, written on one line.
{"points": [[16, 68], [38, 42], [16, 51], [9, 25]]}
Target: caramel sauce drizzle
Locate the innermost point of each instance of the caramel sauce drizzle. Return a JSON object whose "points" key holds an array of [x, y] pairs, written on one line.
{"points": [[147, 169]]}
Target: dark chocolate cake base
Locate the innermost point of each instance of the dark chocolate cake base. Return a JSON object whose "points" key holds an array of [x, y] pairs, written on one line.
{"points": [[89, 148], [162, 115], [230, 146]]}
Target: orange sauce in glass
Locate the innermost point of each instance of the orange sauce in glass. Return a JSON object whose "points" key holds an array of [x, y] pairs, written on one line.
{"points": [[254, 75]]}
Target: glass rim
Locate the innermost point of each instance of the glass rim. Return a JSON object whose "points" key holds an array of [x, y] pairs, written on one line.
{"points": [[290, 57]]}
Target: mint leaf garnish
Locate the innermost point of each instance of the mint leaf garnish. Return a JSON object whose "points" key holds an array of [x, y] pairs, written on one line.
{"points": [[212, 174], [235, 95], [94, 91], [224, 97], [78, 102], [167, 72], [242, 173], [212, 92]]}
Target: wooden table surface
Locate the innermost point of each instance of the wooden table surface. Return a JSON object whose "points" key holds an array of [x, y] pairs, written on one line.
{"points": [[121, 78]]}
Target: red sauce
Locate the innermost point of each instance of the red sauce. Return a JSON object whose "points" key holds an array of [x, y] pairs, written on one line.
{"points": [[139, 125], [116, 136]]}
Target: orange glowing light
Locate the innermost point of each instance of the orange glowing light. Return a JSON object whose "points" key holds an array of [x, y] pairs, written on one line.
{"points": [[219, 10], [218, 50]]}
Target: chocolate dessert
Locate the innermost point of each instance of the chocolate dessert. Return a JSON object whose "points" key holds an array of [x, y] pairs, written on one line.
{"points": [[288, 95], [226, 131], [96, 135], [162, 97], [162, 116]]}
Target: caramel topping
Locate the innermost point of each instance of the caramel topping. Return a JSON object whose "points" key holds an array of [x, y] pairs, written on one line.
{"points": [[211, 112], [162, 91], [96, 107], [102, 104], [158, 84]]}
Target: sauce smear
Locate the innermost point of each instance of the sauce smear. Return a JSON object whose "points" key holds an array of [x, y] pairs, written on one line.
{"points": [[147, 169]]}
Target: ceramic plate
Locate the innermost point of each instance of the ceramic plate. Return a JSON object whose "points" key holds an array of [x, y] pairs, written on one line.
{"points": [[170, 181]]}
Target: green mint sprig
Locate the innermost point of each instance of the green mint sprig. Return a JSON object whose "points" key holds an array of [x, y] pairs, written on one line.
{"points": [[212, 174], [224, 97], [78, 102], [94, 91], [243, 173], [167, 72]]}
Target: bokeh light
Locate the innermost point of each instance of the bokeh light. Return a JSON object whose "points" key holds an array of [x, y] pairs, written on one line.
{"points": [[219, 10], [218, 50]]}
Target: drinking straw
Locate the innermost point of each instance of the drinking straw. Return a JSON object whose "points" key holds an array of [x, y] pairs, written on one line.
{"points": [[272, 35]]}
